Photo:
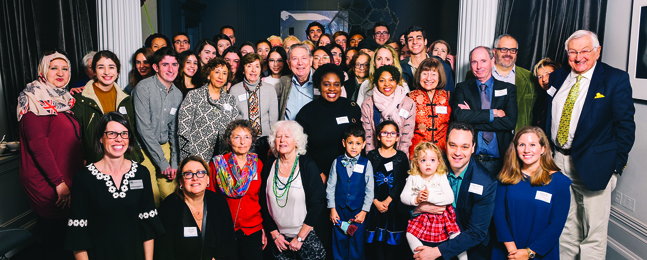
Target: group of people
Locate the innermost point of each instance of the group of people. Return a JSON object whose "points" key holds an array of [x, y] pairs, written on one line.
{"points": [[341, 146]]}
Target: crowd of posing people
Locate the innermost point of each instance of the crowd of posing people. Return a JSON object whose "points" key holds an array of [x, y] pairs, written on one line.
{"points": [[340, 147]]}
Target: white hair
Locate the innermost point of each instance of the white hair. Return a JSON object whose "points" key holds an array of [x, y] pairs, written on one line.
{"points": [[302, 46], [87, 58], [300, 138], [582, 33]]}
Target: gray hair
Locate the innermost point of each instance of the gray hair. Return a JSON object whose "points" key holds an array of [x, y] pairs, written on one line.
{"points": [[300, 138], [487, 49], [581, 33], [496, 41], [87, 58], [299, 45]]}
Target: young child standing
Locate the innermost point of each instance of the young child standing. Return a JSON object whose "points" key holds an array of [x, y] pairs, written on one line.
{"points": [[428, 183], [386, 227], [350, 194]]}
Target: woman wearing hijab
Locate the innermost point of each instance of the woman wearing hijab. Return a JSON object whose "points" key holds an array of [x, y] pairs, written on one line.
{"points": [[50, 149]]}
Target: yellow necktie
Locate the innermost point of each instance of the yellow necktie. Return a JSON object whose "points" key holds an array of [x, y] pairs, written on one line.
{"points": [[565, 120]]}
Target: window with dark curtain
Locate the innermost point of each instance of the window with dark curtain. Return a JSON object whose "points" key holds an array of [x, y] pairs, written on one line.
{"points": [[542, 26], [28, 28]]}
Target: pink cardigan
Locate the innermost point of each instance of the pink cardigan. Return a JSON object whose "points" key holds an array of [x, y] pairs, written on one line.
{"points": [[406, 128]]}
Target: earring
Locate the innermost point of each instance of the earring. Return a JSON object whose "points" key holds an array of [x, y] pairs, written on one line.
{"points": [[208, 184], [180, 187]]}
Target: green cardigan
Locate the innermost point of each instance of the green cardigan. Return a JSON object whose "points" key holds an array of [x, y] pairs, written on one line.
{"points": [[526, 95], [88, 111]]}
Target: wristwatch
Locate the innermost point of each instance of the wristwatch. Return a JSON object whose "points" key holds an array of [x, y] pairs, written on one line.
{"points": [[531, 254], [299, 239]]}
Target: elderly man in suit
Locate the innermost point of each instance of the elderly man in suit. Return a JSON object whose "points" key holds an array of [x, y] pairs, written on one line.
{"points": [[489, 104], [590, 123], [474, 190], [296, 90]]}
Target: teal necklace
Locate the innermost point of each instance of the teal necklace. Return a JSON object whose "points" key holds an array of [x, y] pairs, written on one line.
{"points": [[282, 190]]}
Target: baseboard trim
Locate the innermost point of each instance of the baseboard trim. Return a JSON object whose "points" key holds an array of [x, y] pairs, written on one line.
{"points": [[11, 221], [625, 252], [635, 225]]}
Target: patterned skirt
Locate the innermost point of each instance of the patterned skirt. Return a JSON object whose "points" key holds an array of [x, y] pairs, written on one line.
{"points": [[434, 228]]}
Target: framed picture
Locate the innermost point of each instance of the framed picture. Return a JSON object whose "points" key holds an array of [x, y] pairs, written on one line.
{"points": [[637, 67], [296, 22]]}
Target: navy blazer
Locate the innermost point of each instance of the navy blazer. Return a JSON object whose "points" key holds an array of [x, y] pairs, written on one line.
{"points": [[468, 92], [473, 215], [606, 130], [407, 74]]}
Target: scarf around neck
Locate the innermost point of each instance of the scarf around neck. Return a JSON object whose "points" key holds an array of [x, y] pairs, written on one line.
{"points": [[234, 182], [43, 98], [388, 104], [254, 104]]}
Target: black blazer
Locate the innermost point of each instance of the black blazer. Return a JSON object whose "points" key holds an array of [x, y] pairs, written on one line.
{"points": [[468, 92], [313, 187], [219, 243], [606, 130]]}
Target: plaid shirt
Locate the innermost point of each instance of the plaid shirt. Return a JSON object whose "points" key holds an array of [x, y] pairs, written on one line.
{"points": [[434, 228]]}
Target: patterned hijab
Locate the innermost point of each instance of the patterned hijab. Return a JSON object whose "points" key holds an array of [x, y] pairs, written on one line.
{"points": [[43, 98]]}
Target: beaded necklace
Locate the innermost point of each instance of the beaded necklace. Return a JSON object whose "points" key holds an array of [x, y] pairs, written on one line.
{"points": [[282, 190]]}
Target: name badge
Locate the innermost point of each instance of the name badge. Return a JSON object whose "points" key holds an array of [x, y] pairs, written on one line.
{"points": [[476, 188], [388, 166], [342, 120], [136, 184], [551, 91], [500, 92], [255, 177], [173, 110], [123, 110], [190, 232], [242, 97], [543, 196], [441, 109], [403, 113], [227, 107], [358, 168], [317, 92]]}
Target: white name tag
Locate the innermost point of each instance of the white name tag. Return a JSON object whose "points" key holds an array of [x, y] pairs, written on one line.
{"points": [[388, 166], [358, 168], [476, 188], [242, 97], [441, 109], [551, 91], [403, 113], [190, 232], [500, 92], [317, 92], [123, 110], [227, 107], [173, 110], [136, 184], [342, 120], [543, 196], [255, 177]]}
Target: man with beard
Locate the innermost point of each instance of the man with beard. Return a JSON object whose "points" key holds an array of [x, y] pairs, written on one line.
{"points": [[314, 32], [505, 54]]}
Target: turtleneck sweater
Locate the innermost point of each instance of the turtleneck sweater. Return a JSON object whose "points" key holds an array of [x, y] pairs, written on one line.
{"points": [[324, 122]]}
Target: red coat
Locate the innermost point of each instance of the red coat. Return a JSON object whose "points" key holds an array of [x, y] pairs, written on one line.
{"points": [[50, 153]]}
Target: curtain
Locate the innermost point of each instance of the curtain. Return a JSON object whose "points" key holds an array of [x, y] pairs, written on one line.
{"points": [[29, 28], [542, 26]]}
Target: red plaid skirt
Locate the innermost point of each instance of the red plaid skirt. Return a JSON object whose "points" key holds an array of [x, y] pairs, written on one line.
{"points": [[433, 227]]}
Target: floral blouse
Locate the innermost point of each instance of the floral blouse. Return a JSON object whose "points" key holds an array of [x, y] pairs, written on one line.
{"points": [[432, 117]]}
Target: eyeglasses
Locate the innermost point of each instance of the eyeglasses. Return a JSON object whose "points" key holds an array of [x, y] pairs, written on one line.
{"points": [[506, 50], [340, 41], [113, 134], [275, 61], [573, 53], [183, 42], [189, 175], [388, 134], [361, 65], [382, 33]]}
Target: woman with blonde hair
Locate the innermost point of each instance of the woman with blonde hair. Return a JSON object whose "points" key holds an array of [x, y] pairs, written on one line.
{"points": [[384, 55], [532, 200]]}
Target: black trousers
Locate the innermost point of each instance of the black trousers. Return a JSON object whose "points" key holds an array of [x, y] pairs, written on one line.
{"points": [[51, 238], [250, 247]]}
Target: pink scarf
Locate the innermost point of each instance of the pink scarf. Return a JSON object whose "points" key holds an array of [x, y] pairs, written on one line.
{"points": [[388, 105]]}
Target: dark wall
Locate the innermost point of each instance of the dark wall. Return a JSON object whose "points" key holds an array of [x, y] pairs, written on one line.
{"points": [[255, 19]]}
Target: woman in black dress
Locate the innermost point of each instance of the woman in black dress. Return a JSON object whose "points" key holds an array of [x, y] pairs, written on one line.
{"points": [[113, 211], [197, 221], [386, 226]]}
